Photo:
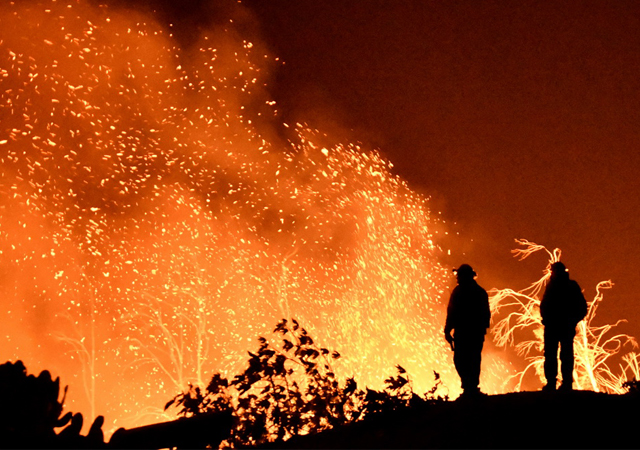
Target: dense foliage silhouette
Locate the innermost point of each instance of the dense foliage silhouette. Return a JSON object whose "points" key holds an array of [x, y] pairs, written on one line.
{"points": [[32, 411], [290, 388]]}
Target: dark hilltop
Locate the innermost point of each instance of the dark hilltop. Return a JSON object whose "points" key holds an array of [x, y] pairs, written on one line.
{"points": [[577, 419]]}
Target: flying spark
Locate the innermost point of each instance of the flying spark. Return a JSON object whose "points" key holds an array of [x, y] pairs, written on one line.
{"points": [[151, 232]]}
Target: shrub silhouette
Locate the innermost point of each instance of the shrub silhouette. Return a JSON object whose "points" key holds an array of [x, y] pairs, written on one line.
{"points": [[291, 389], [632, 387], [32, 411]]}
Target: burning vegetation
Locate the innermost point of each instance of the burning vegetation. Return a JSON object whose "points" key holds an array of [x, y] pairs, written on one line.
{"points": [[151, 225], [154, 221], [595, 347]]}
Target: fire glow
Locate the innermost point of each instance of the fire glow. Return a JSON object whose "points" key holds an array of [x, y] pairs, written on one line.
{"points": [[149, 233], [595, 348]]}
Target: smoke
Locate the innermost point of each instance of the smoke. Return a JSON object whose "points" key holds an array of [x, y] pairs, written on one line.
{"points": [[152, 224]]}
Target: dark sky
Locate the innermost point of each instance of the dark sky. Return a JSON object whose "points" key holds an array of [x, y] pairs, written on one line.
{"points": [[520, 119]]}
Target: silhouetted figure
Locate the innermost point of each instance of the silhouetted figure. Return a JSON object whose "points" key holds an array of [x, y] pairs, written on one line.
{"points": [[563, 305], [468, 316]]}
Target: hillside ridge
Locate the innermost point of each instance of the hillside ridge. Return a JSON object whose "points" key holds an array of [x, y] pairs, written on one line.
{"points": [[576, 419]]}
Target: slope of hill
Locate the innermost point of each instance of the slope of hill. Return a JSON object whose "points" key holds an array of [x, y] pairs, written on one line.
{"points": [[578, 419]]}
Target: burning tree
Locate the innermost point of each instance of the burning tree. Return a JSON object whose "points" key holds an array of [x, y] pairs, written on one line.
{"points": [[594, 345]]}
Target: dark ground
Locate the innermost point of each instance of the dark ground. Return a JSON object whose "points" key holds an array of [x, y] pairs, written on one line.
{"points": [[578, 419]]}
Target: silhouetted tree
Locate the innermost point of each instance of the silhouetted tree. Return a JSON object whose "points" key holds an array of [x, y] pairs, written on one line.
{"points": [[290, 388]]}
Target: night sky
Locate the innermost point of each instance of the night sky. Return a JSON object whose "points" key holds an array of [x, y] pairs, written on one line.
{"points": [[519, 119]]}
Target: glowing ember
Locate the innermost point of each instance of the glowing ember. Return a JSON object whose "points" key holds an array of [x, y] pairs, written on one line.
{"points": [[593, 348], [149, 234]]}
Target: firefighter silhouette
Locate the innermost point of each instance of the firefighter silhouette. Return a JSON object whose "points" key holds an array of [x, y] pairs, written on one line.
{"points": [[562, 306], [468, 316]]}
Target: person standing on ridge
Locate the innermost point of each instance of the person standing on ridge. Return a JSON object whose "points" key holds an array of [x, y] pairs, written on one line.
{"points": [[562, 306], [468, 316]]}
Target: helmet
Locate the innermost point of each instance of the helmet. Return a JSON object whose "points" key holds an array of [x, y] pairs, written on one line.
{"points": [[558, 267], [465, 270]]}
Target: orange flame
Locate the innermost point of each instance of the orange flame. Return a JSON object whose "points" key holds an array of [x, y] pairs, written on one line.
{"points": [[149, 232]]}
